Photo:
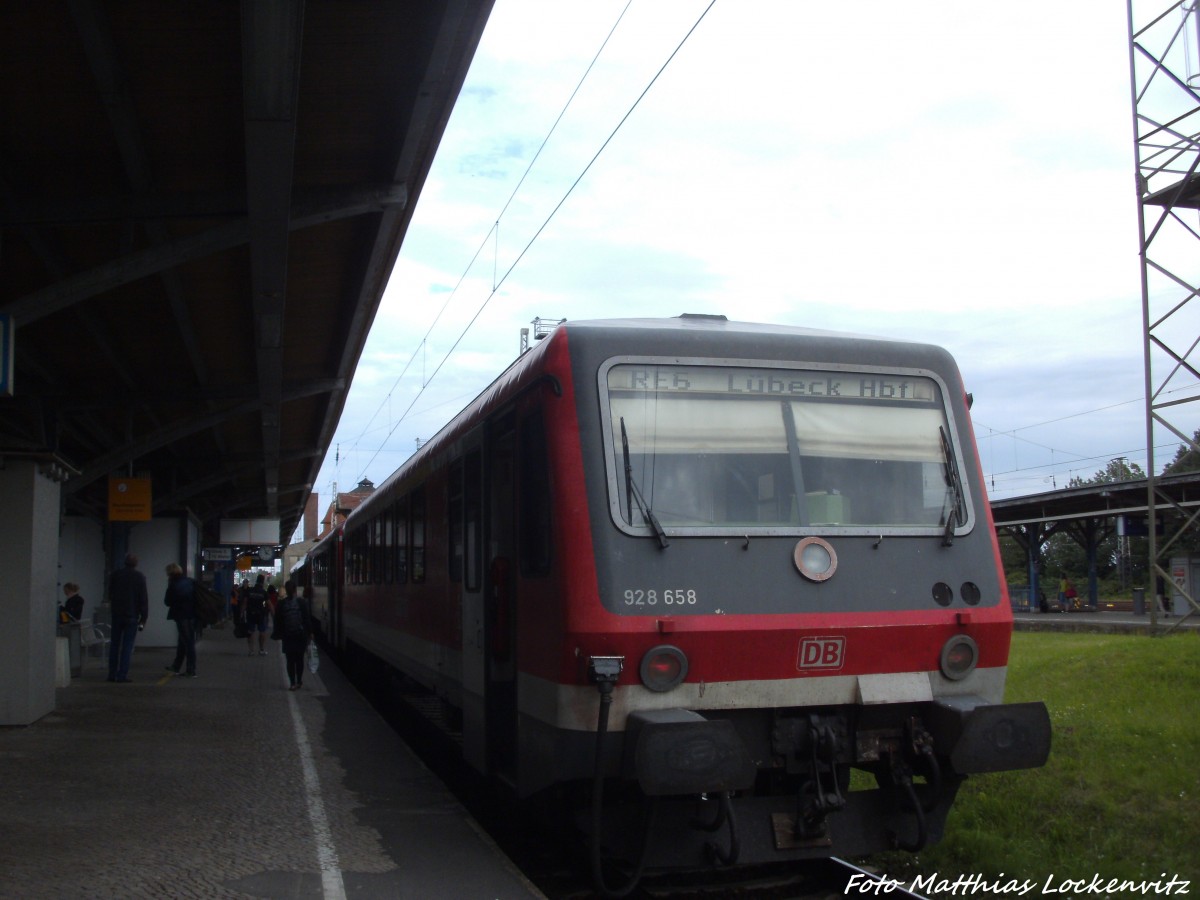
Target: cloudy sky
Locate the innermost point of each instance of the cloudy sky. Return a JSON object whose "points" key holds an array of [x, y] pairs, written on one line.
{"points": [[959, 173]]}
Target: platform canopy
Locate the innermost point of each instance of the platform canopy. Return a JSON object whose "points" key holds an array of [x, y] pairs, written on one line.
{"points": [[200, 206], [1178, 495]]}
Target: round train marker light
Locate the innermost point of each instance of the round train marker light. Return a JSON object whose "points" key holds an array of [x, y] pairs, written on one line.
{"points": [[815, 558], [959, 655], [943, 595], [663, 667]]}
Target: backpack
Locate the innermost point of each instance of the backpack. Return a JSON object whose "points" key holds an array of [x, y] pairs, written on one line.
{"points": [[256, 601], [209, 604], [291, 618]]}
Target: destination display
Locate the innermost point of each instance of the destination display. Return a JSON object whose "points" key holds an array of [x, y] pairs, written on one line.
{"points": [[772, 382]]}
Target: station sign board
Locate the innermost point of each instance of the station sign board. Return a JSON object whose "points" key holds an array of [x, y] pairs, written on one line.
{"points": [[249, 531], [129, 499]]}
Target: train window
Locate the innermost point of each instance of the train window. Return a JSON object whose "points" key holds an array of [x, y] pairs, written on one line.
{"points": [[387, 554], [473, 521], [455, 521], [364, 553], [377, 550], [400, 512], [360, 555], [534, 513], [368, 552], [743, 448], [417, 523]]}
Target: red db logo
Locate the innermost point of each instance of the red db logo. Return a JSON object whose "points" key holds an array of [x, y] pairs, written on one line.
{"points": [[822, 653]]}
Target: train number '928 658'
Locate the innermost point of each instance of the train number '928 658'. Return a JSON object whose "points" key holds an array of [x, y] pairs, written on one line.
{"points": [[665, 597]]}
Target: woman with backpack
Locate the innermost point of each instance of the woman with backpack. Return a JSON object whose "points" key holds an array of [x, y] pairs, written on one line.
{"points": [[293, 626]]}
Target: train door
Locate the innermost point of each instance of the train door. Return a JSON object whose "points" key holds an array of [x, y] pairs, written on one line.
{"points": [[337, 589], [466, 573], [500, 583]]}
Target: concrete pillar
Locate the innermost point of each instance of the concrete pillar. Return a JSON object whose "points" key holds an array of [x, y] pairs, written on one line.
{"points": [[29, 496]]}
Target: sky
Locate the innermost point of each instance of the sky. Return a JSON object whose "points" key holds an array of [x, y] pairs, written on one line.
{"points": [[949, 172]]}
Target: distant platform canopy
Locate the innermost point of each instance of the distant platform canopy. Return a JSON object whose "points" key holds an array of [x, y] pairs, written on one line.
{"points": [[1174, 493]]}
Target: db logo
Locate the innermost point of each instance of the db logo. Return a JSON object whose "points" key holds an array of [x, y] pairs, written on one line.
{"points": [[822, 653]]}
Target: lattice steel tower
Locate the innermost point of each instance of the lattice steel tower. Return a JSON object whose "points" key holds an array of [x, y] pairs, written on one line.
{"points": [[1164, 60]]}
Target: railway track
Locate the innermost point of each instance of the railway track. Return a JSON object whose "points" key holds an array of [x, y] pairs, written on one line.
{"points": [[555, 862]]}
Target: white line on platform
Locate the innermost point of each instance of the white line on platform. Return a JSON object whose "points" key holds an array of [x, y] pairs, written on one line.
{"points": [[332, 887]]}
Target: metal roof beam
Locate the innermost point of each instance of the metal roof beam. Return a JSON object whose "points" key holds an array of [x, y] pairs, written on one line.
{"points": [[134, 449], [137, 447], [53, 211], [429, 115], [271, 40], [292, 390], [122, 116], [317, 209]]}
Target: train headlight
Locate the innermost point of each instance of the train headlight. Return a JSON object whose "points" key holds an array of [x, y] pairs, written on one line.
{"points": [[959, 656], [663, 667], [815, 558]]}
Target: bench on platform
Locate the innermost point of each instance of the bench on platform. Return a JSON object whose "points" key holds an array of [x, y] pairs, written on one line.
{"points": [[92, 634]]}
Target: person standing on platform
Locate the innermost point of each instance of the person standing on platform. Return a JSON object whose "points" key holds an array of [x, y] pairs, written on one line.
{"points": [[130, 605], [73, 606], [180, 600], [1160, 589], [238, 599], [257, 615], [293, 626]]}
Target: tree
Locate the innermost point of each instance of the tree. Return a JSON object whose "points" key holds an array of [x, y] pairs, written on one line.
{"points": [[1119, 469], [1187, 457], [1063, 553]]}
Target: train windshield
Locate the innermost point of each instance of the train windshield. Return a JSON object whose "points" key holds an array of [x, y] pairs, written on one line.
{"points": [[703, 449]]}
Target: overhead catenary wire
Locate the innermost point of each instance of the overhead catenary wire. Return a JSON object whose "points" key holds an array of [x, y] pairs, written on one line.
{"points": [[493, 234], [497, 283], [1031, 471]]}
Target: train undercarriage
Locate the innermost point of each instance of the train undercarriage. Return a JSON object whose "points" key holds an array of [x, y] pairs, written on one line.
{"points": [[755, 786]]}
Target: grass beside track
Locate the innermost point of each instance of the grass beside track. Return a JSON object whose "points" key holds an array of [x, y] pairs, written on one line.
{"points": [[1120, 795]]}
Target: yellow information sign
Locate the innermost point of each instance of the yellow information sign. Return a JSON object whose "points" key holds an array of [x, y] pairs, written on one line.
{"points": [[129, 499]]}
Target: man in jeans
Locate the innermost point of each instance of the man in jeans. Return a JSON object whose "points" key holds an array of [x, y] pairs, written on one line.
{"points": [[181, 603], [258, 615], [130, 605]]}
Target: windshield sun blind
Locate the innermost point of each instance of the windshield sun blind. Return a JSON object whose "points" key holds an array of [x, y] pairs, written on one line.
{"points": [[742, 449]]}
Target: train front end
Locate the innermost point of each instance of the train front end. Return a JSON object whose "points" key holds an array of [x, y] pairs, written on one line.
{"points": [[796, 578]]}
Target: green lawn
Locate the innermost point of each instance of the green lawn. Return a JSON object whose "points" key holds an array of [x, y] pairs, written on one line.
{"points": [[1120, 795]]}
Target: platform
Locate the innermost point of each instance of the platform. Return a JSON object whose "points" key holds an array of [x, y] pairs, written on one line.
{"points": [[228, 785], [1103, 621]]}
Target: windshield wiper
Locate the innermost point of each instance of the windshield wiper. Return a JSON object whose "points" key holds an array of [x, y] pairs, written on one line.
{"points": [[957, 514], [633, 494], [793, 445]]}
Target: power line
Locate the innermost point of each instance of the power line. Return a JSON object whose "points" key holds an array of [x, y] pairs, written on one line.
{"points": [[497, 283], [1012, 432], [494, 230], [1078, 458]]}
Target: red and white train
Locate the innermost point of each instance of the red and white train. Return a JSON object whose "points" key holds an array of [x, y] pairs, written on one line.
{"points": [[690, 573]]}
